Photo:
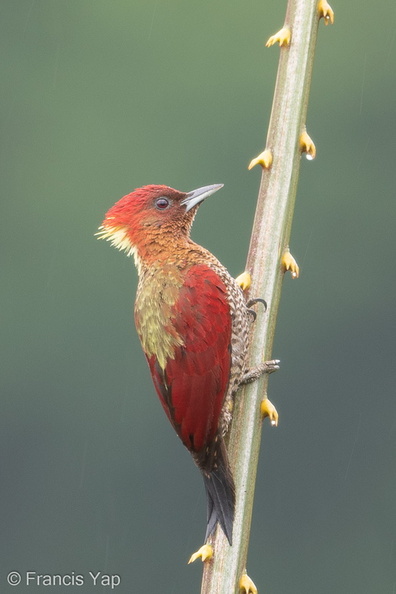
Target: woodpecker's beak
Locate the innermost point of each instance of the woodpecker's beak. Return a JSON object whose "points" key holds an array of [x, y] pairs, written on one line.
{"points": [[197, 196]]}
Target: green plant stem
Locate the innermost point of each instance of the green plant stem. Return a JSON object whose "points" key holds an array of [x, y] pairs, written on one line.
{"points": [[270, 238]]}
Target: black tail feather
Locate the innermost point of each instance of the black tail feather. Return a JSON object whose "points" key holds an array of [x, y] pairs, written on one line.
{"points": [[220, 489]]}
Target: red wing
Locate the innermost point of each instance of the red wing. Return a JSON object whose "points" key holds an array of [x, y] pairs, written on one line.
{"points": [[193, 385]]}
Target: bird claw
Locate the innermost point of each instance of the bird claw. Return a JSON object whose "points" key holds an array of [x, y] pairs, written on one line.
{"points": [[282, 37], [269, 366], [264, 159], [247, 585], [289, 263], [253, 374], [267, 409], [326, 12], [244, 280], [253, 302], [205, 552], [257, 300]]}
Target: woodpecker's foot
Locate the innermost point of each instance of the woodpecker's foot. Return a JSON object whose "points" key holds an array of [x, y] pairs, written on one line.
{"points": [[264, 159], [307, 145], [325, 11], [244, 280], [247, 585], [258, 300], [267, 409], [253, 302], [289, 263], [282, 37], [205, 552], [253, 374]]}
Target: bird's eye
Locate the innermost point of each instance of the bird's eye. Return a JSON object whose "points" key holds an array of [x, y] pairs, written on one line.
{"points": [[162, 203]]}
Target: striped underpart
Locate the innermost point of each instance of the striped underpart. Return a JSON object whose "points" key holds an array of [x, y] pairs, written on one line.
{"points": [[157, 294]]}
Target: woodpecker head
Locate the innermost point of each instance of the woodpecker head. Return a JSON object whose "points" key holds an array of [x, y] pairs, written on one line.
{"points": [[140, 217]]}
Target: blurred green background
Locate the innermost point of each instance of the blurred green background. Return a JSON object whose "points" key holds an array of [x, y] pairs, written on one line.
{"points": [[98, 98]]}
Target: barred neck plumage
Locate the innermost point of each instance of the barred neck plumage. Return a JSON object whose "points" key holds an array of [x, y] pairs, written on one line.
{"points": [[180, 252]]}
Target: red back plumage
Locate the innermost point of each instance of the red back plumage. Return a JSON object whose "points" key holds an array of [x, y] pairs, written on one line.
{"points": [[194, 382]]}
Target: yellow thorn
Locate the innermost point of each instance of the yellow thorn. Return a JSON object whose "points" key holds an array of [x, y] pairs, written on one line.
{"points": [[267, 409], [325, 11], [247, 585], [307, 145], [244, 280], [205, 552], [289, 263], [264, 159], [282, 37]]}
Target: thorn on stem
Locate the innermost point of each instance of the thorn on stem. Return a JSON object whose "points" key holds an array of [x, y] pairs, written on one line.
{"points": [[326, 12], [264, 159], [283, 37], [307, 145]]}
